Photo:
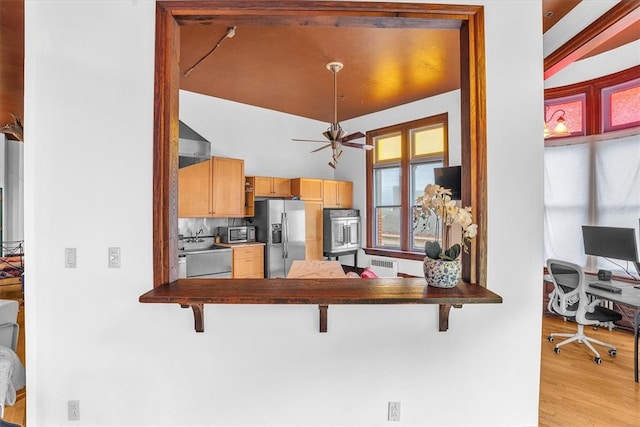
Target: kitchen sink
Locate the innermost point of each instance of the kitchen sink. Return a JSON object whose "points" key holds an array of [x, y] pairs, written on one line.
{"points": [[202, 258], [200, 245]]}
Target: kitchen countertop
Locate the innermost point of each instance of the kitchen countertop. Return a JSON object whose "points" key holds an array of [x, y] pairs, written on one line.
{"points": [[240, 245]]}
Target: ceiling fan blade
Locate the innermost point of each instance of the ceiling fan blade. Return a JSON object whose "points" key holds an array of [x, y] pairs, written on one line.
{"points": [[351, 137], [307, 140], [321, 148], [356, 145]]}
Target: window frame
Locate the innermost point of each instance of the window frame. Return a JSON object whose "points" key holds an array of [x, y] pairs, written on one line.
{"points": [[170, 15], [592, 90], [406, 202]]}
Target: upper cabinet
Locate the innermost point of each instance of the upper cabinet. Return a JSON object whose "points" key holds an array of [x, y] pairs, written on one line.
{"points": [[249, 196], [307, 188], [337, 194], [214, 188], [272, 187]]}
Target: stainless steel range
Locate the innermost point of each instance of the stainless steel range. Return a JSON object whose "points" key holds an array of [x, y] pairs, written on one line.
{"points": [[200, 258]]}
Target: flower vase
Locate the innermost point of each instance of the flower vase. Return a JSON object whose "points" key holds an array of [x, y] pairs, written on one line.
{"points": [[441, 273]]}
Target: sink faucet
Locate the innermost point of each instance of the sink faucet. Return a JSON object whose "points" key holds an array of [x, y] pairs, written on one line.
{"points": [[198, 238]]}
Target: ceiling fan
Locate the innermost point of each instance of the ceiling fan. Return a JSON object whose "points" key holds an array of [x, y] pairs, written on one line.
{"points": [[336, 136]]}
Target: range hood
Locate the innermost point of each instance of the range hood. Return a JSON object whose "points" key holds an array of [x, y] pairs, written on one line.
{"points": [[192, 147]]}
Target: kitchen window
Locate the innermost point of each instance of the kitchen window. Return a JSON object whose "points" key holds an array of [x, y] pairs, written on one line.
{"points": [[401, 164]]}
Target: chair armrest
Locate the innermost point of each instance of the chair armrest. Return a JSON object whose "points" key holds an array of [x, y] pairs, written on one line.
{"points": [[591, 306]]}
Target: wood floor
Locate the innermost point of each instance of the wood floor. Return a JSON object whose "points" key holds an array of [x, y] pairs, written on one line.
{"points": [[574, 391]]}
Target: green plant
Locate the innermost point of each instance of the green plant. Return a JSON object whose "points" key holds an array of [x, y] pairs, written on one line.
{"points": [[436, 201]]}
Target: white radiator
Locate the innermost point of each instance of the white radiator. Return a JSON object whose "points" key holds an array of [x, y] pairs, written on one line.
{"points": [[384, 268]]}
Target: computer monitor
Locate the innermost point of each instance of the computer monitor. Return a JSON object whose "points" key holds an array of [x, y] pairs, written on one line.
{"points": [[611, 242], [451, 178]]}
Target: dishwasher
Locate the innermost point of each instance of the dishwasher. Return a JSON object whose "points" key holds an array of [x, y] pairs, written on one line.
{"points": [[205, 264]]}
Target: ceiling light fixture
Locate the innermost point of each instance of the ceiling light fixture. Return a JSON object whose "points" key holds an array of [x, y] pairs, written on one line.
{"points": [[560, 128], [231, 31]]}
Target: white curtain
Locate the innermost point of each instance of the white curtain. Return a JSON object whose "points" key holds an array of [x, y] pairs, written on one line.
{"points": [[595, 183]]}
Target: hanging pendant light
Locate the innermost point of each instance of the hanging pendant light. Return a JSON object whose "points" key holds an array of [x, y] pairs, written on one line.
{"points": [[560, 129]]}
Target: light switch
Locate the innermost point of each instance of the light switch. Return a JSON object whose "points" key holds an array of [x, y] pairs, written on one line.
{"points": [[114, 257], [70, 257]]}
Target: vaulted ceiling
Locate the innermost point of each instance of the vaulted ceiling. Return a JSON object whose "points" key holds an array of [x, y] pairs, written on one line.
{"points": [[284, 68]]}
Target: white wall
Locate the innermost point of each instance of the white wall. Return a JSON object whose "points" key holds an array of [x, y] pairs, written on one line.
{"points": [[613, 61], [90, 64], [262, 137]]}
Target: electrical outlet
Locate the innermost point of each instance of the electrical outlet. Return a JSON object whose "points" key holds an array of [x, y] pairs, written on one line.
{"points": [[394, 411], [73, 407], [114, 257]]}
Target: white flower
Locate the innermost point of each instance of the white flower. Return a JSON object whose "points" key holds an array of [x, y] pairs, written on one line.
{"points": [[436, 200], [471, 231]]}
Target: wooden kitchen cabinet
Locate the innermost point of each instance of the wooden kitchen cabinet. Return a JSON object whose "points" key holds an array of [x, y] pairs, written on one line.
{"points": [[266, 186], [313, 230], [249, 195], [337, 194], [310, 190], [214, 188], [307, 188], [248, 262]]}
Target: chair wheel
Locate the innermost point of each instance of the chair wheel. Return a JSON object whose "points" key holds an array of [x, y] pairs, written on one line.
{"points": [[550, 338], [597, 360], [612, 352], [556, 350]]}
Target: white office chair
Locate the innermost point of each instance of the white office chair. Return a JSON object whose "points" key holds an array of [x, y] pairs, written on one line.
{"points": [[569, 299]]}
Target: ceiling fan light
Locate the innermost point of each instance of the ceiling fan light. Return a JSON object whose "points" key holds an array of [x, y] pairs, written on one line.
{"points": [[334, 134]]}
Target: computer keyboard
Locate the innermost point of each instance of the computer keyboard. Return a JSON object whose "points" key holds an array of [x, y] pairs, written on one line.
{"points": [[605, 287]]}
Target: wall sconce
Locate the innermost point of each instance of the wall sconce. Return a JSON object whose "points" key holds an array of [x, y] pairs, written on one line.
{"points": [[560, 128]]}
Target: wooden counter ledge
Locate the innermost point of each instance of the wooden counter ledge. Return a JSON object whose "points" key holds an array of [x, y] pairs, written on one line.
{"points": [[195, 293]]}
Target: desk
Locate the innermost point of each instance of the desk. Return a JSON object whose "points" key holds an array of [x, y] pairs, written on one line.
{"points": [[629, 297]]}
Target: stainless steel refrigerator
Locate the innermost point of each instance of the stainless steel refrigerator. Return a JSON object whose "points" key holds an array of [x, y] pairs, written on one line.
{"points": [[280, 224]]}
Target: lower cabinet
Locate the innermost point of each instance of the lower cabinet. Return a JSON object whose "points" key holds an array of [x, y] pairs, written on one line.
{"points": [[248, 262]]}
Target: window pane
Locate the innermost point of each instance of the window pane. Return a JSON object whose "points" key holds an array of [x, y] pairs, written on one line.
{"points": [[421, 175], [427, 141], [388, 227], [388, 148], [387, 186], [423, 230], [573, 108], [621, 106]]}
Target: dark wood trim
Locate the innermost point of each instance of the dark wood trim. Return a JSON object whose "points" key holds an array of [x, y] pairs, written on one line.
{"points": [[197, 292], [474, 143], [619, 17], [171, 14], [165, 149], [405, 164], [394, 254]]}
